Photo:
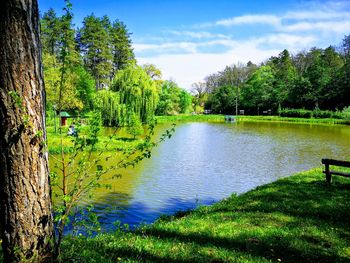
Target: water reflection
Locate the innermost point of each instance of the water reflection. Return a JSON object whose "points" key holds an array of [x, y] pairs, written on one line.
{"points": [[205, 162]]}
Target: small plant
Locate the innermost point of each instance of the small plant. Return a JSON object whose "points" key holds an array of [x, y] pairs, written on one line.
{"points": [[135, 126], [346, 113], [300, 113]]}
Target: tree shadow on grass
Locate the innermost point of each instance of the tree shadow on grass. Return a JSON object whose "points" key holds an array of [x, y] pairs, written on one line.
{"points": [[292, 220], [309, 220]]}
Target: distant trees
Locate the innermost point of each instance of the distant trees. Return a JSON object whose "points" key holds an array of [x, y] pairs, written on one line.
{"points": [[94, 41], [95, 53], [318, 78], [106, 48], [121, 45], [173, 100], [98, 56]]}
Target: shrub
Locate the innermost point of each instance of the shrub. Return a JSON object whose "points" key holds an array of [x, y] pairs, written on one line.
{"points": [[316, 113], [346, 113], [300, 113]]}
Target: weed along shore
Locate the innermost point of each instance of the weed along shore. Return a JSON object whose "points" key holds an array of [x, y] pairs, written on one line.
{"points": [[296, 219], [247, 118]]}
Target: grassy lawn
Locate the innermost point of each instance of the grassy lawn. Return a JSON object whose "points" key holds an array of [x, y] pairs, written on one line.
{"points": [[190, 117], [111, 142], [220, 118], [296, 219], [295, 120]]}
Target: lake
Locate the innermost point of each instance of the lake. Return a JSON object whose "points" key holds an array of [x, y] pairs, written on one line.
{"points": [[205, 162]]}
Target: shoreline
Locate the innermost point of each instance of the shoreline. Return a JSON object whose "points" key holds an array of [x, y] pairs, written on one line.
{"points": [[296, 218], [246, 118]]}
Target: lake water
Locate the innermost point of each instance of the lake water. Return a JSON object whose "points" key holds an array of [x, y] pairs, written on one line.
{"points": [[205, 162]]}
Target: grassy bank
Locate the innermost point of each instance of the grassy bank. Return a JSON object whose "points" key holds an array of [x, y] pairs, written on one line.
{"points": [[107, 142], [296, 219], [295, 120], [122, 140], [190, 117], [221, 118]]}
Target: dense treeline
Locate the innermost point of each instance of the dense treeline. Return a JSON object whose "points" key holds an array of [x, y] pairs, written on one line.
{"points": [[101, 72], [314, 79]]}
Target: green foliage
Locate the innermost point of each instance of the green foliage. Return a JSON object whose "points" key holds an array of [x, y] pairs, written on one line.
{"points": [[190, 118], [200, 93], [185, 102], [258, 90], [50, 31], [152, 71], [269, 118], [316, 113], [346, 113], [318, 77], [94, 42], [173, 100], [137, 91], [77, 89], [112, 111], [85, 87], [300, 113], [122, 51], [135, 126], [222, 100]]}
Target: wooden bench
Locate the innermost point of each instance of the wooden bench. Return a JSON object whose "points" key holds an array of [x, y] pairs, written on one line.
{"points": [[329, 173]]}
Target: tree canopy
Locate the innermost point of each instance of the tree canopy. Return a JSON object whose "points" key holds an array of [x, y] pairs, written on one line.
{"points": [[317, 78]]}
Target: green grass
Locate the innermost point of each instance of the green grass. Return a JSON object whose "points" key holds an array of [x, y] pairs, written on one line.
{"points": [[295, 120], [124, 141], [190, 118], [296, 219], [105, 142], [220, 118]]}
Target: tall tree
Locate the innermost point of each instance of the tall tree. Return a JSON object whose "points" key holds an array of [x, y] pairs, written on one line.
{"points": [[50, 31], [123, 54], [94, 43], [257, 92], [285, 76], [137, 91], [26, 219]]}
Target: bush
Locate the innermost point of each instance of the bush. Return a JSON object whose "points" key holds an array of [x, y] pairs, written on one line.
{"points": [[299, 113], [135, 126], [346, 113], [316, 113], [322, 114]]}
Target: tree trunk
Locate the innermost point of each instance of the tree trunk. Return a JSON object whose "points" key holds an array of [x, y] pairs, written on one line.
{"points": [[26, 215]]}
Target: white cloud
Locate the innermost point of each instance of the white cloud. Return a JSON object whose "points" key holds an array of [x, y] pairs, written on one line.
{"points": [[289, 41], [189, 68], [328, 26], [197, 35], [299, 29], [250, 19], [166, 47], [316, 15]]}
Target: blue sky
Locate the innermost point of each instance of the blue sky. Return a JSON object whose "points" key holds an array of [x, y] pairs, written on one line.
{"points": [[190, 39]]}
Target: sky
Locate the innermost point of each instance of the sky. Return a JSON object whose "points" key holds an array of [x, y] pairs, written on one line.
{"points": [[189, 40]]}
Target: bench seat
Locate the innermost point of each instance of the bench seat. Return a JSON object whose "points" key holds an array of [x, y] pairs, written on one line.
{"points": [[329, 173]]}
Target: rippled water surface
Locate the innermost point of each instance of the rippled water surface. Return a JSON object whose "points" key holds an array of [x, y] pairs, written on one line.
{"points": [[205, 162]]}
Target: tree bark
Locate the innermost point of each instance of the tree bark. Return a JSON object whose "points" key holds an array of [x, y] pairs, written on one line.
{"points": [[26, 215]]}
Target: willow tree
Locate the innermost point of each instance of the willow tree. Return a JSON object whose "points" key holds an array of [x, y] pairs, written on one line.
{"points": [[112, 112], [137, 91], [26, 220]]}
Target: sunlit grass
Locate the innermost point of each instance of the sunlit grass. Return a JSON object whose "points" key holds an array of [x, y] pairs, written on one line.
{"points": [[245, 118], [296, 219], [190, 117], [106, 143], [295, 120]]}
